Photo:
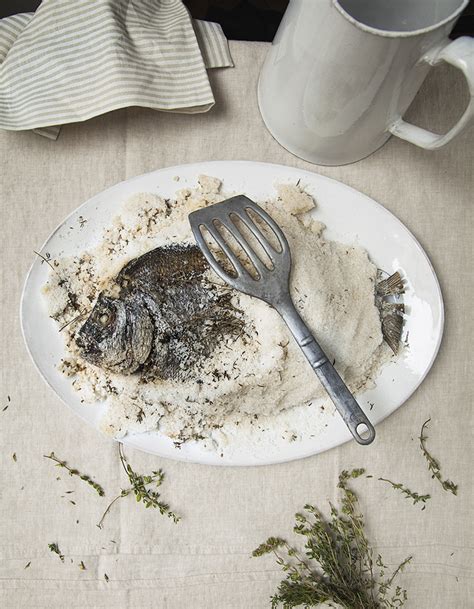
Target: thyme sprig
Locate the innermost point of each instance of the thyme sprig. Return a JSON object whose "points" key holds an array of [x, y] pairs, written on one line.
{"points": [[416, 497], [140, 488], [74, 472], [338, 565], [46, 258], [433, 464]]}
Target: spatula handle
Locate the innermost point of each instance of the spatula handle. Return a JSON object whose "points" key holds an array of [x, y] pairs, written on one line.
{"points": [[359, 425]]}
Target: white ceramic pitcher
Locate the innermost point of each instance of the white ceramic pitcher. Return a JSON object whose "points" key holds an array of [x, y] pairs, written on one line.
{"points": [[341, 73]]}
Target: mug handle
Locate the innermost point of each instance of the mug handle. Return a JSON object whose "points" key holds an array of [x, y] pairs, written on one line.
{"points": [[459, 53]]}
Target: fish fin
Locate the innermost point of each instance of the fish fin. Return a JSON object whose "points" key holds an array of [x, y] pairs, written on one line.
{"points": [[391, 286], [392, 325]]}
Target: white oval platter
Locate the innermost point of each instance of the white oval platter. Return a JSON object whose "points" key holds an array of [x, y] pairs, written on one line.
{"points": [[350, 216]]}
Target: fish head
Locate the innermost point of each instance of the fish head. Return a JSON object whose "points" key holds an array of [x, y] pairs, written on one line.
{"points": [[117, 335]]}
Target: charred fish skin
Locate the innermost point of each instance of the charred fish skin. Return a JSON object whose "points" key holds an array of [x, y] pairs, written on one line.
{"points": [[160, 317], [117, 335], [162, 268]]}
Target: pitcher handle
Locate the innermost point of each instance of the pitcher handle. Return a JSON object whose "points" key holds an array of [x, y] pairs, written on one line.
{"points": [[459, 53]]}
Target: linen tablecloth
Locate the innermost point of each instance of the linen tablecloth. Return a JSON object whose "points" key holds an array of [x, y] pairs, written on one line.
{"points": [[204, 561]]}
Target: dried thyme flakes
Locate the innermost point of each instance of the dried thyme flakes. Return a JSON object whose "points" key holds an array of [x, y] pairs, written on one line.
{"points": [[417, 498], [338, 564], [433, 464], [140, 488], [55, 548], [74, 472]]}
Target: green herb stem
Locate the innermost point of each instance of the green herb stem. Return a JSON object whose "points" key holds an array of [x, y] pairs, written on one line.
{"points": [[74, 472], [122, 494], [140, 487], [433, 464], [416, 497]]}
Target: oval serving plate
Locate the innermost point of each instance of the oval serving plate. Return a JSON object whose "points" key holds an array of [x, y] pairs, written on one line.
{"points": [[350, 216]]}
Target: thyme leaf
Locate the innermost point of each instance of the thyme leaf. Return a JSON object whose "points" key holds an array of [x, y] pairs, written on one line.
{"points": [[408, 493], [74, 472], [433, 464], [338, 565], [140, 487], [55, 548], [8, 404]]}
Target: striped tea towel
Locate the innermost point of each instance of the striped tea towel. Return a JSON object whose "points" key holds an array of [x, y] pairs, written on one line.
{"points": [[75, 59]]}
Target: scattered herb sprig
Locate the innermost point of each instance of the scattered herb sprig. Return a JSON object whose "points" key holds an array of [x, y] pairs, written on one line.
{"points": [[338, 565], [417, 498], [433, 464], [74, 472], [46, 258], [140, 488], [55, 548]]}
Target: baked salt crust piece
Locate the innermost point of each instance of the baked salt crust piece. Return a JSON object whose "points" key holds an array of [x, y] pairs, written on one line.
{"points": [[255, 382]]}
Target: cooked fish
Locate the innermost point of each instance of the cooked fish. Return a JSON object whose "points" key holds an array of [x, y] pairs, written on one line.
{"points": [[160, 316]]}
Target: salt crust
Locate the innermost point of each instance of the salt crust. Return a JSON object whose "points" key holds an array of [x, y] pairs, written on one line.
{"points": [[257, 384]]}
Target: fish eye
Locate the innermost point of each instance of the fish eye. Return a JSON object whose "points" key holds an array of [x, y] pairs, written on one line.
{"points": [[104, 318]]}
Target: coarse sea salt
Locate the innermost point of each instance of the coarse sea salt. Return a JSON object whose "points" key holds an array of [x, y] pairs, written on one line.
{"points": [[254, 389]]}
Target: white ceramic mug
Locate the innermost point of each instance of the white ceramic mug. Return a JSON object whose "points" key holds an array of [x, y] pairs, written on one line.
{"points": [[341, 73]]}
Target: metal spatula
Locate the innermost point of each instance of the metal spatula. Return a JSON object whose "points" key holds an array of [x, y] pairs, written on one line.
{"points": [[269, 280]]}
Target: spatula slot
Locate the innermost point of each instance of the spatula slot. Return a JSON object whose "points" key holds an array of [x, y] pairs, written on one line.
{"points": [[243, 254], [264, 227], [254, 238], [216, 252]]}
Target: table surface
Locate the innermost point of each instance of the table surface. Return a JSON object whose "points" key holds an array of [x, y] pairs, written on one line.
{"points": [[204, 561]]}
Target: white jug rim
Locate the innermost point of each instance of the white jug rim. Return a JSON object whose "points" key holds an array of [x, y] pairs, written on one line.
{"points": [[396, 33]]}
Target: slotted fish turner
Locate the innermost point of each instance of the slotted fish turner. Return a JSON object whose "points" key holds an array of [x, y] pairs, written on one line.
{"points": [[272, 286]]}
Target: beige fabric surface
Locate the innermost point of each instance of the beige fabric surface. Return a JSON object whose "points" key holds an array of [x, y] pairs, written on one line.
{"points": [[204, 561]]}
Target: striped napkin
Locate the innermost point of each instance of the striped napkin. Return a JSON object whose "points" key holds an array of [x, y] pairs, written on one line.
{"points": [[75, 59]]}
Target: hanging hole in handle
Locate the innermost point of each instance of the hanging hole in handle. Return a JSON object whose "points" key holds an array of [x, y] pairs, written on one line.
{"points": [[365, 434]]}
